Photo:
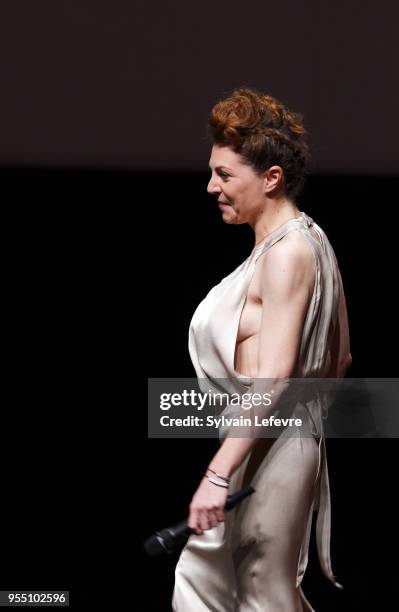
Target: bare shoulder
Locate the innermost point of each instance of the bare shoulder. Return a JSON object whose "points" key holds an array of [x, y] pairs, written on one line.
{"points": [[292, 251], [289, 262]]}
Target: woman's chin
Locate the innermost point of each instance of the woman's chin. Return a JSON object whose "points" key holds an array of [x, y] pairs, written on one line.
{"points": [[227, 215]]}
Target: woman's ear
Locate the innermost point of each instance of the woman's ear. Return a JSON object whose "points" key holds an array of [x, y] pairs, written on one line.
{"points": [[273, 177]]}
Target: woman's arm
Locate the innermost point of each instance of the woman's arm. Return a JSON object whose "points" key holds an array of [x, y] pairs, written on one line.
{"points": [[287, 282]]}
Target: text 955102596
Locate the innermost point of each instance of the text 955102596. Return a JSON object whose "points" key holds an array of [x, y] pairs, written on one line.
{"points": [[34, 598]]}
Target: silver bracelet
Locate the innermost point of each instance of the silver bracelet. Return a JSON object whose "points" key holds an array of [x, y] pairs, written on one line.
{"points": [[219, 475], [215, 482]]}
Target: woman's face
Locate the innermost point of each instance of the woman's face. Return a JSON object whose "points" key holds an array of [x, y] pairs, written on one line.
{"points": [[240, 192]]}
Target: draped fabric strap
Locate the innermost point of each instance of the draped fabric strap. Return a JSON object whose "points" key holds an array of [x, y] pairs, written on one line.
{"points": [[322, 503], [303, 558], [323, 523]]}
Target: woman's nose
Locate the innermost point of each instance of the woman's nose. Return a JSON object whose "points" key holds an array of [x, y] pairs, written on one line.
{"points": [[213, 187]]}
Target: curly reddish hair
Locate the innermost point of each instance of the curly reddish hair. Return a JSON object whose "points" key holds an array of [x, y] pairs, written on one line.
{"points": [[264, 133]]}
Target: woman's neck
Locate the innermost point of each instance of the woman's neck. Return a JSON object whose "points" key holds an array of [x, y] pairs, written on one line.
{"points": [[272, 218]]}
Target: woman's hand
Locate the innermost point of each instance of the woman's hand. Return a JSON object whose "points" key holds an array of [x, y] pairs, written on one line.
{"points": [[207, 506]]}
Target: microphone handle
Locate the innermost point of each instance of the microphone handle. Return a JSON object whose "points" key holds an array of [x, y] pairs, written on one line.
{"points": [[233, 500]]}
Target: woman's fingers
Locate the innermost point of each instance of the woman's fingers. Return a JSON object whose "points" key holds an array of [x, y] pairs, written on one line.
{"points": [[220, 515], [206, 519], [213, 519], [193, 521], [206, 509]]}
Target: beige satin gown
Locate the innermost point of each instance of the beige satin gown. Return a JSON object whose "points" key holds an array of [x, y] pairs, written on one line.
{"points": [[255, 560]]}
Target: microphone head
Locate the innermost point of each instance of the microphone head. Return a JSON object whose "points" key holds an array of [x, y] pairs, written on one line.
{"points": [[154, 546]]}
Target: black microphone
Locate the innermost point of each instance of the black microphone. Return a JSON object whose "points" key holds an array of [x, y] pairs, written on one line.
{"points": [[170, 539]]}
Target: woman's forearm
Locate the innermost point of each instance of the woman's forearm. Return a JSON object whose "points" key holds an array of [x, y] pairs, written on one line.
{"points": [[231, 454], [234, 450]]}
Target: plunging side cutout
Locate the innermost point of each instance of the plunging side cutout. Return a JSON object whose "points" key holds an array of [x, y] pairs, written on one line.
{"points": [[240, 316]]}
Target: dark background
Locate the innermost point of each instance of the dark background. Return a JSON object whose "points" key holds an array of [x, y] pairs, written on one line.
{"points": [[91, 310], [110, 241]]}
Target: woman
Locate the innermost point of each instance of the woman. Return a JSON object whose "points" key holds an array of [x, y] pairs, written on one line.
{"points": [[280, 314]]}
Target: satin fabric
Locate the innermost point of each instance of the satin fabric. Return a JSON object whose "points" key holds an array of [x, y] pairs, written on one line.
{"points": [[256, 559]]}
